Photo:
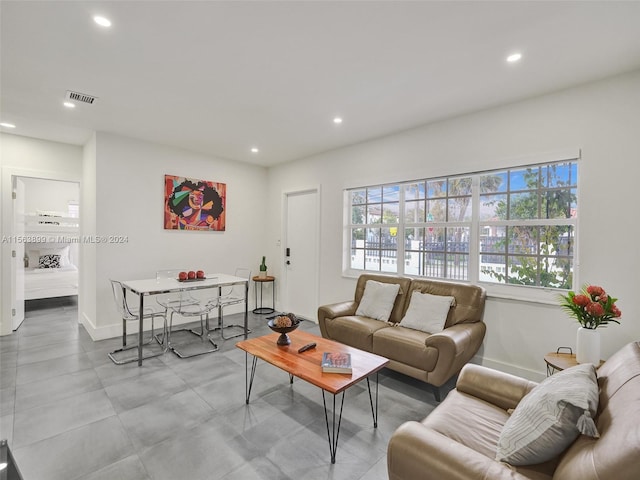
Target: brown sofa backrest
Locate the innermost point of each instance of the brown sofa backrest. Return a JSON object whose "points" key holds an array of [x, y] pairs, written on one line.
{"points": [[616, 454], [470, 299], [397, 312]]}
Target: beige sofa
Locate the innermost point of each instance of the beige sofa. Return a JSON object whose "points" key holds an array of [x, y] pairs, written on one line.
{"points": [[458, 440], [432, 358]]}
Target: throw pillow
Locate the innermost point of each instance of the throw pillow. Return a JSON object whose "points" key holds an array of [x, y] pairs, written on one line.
{"points": [[550, 417], [49, 261], [377, 300], [63, 252], [427, 312]]}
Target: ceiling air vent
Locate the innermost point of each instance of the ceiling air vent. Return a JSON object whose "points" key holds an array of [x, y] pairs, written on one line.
{"points": [[80, 97]]}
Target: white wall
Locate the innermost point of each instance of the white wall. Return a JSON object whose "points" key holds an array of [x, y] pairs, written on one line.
{"points": [[28, 157], [602, 119], [129, 198], [50, 195]]}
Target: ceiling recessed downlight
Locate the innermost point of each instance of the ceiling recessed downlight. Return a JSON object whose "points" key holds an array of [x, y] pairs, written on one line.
{"points": [[514, 57], [254, 150], [337, 120], [102, 21], [69, 105], [7, 125]]}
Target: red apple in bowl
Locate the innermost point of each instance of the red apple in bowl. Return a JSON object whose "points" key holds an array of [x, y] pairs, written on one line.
{"points": [[200, 274], [182, 276], [191, 275]]}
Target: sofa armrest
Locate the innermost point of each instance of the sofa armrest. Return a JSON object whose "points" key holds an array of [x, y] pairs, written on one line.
{"points": [[416, 451], [498, 388], [456, 345], [335, 310]]}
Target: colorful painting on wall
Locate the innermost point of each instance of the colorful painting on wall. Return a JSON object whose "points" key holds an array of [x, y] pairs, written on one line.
{"points": [[194, 204]]}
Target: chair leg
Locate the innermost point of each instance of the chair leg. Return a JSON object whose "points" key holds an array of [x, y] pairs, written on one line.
{"points": [[114, 354], [221, 326], [193, 348]]}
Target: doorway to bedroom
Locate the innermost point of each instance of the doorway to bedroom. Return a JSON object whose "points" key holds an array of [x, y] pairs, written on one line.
{"points": [[47, 225]]}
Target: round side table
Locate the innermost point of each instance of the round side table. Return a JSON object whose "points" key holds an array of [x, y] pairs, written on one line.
{"points": [[557, 361], [261, 310]]}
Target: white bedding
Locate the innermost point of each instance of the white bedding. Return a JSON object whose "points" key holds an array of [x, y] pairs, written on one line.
{"points": [[50, 282]]}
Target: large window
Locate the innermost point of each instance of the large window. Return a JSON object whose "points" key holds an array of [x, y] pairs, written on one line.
{"points": [[514, 226]]}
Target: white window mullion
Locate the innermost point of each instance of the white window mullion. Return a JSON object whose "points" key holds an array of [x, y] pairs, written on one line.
{"points": [[474, 241]]}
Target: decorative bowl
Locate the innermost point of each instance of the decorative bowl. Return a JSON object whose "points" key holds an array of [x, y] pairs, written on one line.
{"points": [[284, 339]]}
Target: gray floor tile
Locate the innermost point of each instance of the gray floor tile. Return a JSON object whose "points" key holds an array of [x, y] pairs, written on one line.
{"points": [[140, 390], [49, 352], [7, 400], [75, 453], [6, 428], [57, 417], [156, 421], [129, 468], [58, 388], [36, 371], [205, 452]]}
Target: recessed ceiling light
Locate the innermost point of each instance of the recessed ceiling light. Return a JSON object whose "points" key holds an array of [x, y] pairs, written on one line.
{"points": [[103, 22], [7, 125], [69, 105], [254, 150], [514, 57], [337, 120]]}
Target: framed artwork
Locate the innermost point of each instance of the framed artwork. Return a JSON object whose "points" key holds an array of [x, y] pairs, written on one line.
{"points": [[194, 204]]}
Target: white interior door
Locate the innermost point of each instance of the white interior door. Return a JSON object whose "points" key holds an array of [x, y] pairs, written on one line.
{"points": [[301, 253], [17, 260]]}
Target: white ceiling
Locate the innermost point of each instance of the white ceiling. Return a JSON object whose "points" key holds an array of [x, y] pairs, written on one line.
{"points": [[220, 77]]}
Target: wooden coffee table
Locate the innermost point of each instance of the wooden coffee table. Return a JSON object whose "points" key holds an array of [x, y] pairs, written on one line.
{"points": [[306, 366]]}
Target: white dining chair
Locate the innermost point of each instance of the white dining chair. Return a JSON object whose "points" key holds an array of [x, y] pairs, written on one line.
{"points": [[188, 304], [130, 314], [232, 295]]}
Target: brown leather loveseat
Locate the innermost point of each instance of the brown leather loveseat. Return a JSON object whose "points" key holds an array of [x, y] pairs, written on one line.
{"points": [[431, 357], [458, 440]]}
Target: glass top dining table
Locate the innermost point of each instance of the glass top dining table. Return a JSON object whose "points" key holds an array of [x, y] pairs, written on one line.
{"points": [[157, 286]]}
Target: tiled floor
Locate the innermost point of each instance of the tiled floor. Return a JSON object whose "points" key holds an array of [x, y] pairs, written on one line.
{"points": [[70, 413]]}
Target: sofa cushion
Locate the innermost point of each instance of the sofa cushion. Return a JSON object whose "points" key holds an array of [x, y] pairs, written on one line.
{"points": [[378, 300], [470, 299], [355, 331], [550, 417], [405, 345], [427, 312]]}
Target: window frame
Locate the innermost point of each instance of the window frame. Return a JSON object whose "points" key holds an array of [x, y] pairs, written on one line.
{"points": [[533, 293]]}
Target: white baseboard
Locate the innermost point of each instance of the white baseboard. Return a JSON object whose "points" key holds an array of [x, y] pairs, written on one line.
{"points": [[529, 374], [115, 330]]}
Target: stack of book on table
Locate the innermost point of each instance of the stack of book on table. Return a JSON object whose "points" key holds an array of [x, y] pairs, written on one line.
{"points": [[336, 362]]}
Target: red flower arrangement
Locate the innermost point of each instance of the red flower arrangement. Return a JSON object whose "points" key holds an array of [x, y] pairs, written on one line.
{"points": [[592, 307]]}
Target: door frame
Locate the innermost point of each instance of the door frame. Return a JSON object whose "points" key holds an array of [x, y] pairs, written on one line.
{"points": [[285, 230], [6, 226]]}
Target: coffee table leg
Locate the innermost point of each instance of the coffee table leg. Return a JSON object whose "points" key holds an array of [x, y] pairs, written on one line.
{"points": [[248, 381], [374, 412], [334, 432]]}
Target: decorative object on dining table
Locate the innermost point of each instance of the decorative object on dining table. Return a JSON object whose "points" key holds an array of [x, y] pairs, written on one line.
{"points": [[336, 362], [191, 276], [194, 204], [284, 324], [263, 268], [593, 308]]}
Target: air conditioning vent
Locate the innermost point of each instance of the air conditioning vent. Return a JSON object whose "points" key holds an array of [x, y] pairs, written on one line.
{"points": [[80, 97]]}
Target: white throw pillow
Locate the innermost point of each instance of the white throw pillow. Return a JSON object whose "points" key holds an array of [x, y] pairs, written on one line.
{"points": [[427, 312], [550, 417], [63, 252], [377, 300]]}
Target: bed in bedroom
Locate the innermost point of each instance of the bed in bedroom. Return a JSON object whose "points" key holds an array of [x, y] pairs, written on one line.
{"points": [[51, 271]]}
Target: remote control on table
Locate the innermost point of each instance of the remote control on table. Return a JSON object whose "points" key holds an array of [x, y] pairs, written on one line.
{"points": [[308, 346]]}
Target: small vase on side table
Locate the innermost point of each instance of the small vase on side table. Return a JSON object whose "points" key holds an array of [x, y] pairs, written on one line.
{"points": [[588, 346]]}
